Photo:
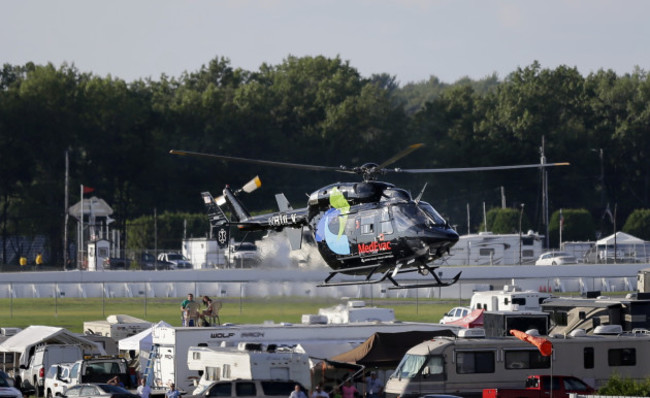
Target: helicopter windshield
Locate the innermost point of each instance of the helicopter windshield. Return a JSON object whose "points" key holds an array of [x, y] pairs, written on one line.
{"points": [[408, 215], [432, 213]]}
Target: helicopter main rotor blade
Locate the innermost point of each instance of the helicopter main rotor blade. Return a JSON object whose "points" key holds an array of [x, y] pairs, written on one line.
{"points": [[486, 168], [340, 169], [400, 155]]}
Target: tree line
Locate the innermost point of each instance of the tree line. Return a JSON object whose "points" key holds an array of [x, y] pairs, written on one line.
{"points": [[320, 111]]}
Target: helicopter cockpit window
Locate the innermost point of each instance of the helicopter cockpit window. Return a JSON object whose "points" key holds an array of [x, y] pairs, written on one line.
{"points": [[432, 213], [408, 215], [396, 194]]}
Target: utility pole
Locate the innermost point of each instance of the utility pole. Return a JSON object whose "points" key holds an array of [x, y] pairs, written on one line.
{"points": [[521, 214], [542, 162]]}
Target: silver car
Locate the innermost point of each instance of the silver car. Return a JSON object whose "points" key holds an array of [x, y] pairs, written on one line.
{"points": [[98, 391]]}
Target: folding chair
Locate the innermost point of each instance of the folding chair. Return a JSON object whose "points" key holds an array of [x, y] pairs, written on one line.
{"points": [[192, 314]]}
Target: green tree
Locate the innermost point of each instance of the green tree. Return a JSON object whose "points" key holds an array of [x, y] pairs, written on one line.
{"points": [[506, 221], [578, 225], [624, 386], [638, 224]]}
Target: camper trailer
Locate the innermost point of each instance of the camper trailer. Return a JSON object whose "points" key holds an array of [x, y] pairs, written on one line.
{"points": [[465, 366], [511, 298], [247, 361], [171, 344], [486, 248], [116, 326]]}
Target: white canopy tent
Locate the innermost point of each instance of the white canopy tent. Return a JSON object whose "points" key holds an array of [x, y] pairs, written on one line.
{"points": [[141, 343], [23, 341]]}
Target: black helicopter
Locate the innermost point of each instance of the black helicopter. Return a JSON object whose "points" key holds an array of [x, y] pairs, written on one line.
{"points": [[370, 228]]}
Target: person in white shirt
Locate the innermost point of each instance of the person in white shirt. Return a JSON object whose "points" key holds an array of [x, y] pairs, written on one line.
{"points": [[144, 389], [297, 392], [319, 393]]}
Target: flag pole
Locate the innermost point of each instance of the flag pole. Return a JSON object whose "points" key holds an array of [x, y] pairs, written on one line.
{"points": [[81, 229]]}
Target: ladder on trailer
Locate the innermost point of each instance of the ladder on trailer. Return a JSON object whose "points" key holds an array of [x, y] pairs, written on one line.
{"points": [[149, 373]]}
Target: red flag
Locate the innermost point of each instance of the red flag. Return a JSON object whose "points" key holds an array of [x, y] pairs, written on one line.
{"points": [[88, 190], [544, 346]]}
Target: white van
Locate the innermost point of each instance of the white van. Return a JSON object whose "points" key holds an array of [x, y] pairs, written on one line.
{"points": [[32, 376]]}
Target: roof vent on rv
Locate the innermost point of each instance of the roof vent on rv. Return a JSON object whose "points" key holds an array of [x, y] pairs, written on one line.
{"points": [[244, 346], [356, 304], [578, 332], [533, 332], [608, 329], [472, 333]]}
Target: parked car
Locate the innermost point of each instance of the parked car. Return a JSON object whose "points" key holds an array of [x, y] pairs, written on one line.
{"points": [[148, 262], [248, 388], [556, 258], [243, 255], [7, 388], [57, 379], [98, 391], [32, 375], [175, 260], [455, 314]]}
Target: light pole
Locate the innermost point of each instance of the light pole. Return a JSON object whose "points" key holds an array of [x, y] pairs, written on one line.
{"points": [[521, 214]]}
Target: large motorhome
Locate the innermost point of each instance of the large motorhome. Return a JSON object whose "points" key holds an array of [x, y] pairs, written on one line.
{"points": [[465, 366], [248, 361], [172, 343], [486, 248]]}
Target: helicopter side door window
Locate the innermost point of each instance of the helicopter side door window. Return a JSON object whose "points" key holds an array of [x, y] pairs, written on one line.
{"points": [[367, 225], [386, 225]]}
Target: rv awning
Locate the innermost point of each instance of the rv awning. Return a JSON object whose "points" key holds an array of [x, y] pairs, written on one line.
{"points": [[385, 350], [26, 339]]}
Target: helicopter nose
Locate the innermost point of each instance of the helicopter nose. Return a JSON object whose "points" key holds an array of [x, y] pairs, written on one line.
{"points": [[452, 235]]}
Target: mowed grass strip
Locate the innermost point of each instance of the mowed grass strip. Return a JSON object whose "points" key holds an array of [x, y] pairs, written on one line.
{"points": [[71, 313]]}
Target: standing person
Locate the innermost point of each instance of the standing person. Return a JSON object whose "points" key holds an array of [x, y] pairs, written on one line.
{"points": [[297, 392], [319, 393], [144, 389], [39, 260], [374, 387], [22, 262], [189, 299], [348, 390], [173, 392]]}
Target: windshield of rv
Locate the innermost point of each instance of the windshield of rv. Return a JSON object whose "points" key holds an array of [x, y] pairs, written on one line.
{"points": [[411, 365]]}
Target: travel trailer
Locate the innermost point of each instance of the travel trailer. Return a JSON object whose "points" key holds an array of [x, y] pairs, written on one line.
{"points": [[466, 366], [171, 344], [511, 298], [116, 326], [486, 248], [247, 361]]}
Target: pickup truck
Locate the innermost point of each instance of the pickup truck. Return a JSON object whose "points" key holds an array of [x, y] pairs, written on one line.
{"points": [[538, 387], [97, 369]]}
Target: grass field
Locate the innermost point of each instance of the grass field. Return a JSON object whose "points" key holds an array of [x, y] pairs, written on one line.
{"points": [[71, 313]]}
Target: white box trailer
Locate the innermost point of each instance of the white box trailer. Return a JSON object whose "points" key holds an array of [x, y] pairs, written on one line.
{"points": [[172, 343], [248, 361], [117, 326], [204, 253]]}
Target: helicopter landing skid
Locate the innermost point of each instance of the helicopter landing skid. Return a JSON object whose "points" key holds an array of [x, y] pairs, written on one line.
{"points": [[388, 276]]}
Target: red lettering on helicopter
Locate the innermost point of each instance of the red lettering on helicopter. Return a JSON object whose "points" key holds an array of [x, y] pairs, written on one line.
{"points": [[373, 247]]}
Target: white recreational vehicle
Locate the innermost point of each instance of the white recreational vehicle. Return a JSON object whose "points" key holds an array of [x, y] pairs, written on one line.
{"points": [[171, 344], [118, 326], [248, 361], [486, 248], [511, 298], [465, 366]]}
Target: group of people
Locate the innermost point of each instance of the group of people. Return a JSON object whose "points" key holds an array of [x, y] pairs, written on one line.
{"points": [[374, 389], [191, 315], [38, 260]]}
